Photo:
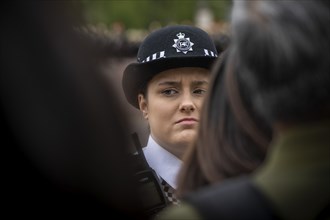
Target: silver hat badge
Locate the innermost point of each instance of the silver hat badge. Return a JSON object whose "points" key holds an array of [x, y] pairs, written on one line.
{"points": [[182, 44]]}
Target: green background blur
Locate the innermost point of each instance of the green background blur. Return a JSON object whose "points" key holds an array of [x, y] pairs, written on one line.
{"points": [[142, 14]]}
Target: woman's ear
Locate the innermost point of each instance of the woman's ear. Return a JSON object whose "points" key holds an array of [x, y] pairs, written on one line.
{"points": [[143, 105]]}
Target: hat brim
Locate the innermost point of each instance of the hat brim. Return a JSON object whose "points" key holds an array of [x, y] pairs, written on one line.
{"points": [[137, 75]]}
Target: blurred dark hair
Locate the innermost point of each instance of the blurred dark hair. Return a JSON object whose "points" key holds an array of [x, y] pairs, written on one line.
{"points": [[232, 140], [283, 50], [62, 124]]}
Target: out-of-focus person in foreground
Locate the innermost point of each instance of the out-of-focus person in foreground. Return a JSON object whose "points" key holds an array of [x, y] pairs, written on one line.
{"points": [[64, 148], [280, 50]]}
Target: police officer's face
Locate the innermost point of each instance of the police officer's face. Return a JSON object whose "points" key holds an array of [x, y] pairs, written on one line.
{"points": [[172, 106]]}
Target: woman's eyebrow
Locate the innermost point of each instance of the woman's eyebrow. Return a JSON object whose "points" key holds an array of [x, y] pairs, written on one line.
{"points": [[199, 82], [171, 83]]}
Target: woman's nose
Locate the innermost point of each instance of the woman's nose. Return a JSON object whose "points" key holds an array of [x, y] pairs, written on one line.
{"points": [[187, 104]]}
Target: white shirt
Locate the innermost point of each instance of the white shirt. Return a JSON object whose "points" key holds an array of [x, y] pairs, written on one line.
{"points": [[165, 164]]}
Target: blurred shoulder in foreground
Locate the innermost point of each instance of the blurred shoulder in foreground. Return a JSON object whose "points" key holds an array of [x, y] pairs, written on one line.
{"points": [[62, 123]]}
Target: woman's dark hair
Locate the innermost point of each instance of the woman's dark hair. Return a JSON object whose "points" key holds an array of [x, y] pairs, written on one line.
{"points": [[232, 139]]}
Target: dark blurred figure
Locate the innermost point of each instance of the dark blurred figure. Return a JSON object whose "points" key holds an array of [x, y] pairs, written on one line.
{"points": [[279, 56], [232, 139], [62, 124]]}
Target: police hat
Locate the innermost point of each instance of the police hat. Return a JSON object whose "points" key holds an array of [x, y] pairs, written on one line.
{"points": [[167, 48]]}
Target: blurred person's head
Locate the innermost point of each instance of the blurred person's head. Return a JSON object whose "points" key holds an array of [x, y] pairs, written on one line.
{"points": [[282, 49]]}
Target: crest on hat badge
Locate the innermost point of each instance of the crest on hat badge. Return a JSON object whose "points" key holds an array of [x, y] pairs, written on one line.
{"points": [[182, 44]]}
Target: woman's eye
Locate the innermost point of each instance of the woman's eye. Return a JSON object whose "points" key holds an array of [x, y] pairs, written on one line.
{"points": [[199, 91], [169, 92]]}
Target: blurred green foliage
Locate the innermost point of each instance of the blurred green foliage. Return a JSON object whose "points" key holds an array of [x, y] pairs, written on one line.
{"points": [[140, 14]]}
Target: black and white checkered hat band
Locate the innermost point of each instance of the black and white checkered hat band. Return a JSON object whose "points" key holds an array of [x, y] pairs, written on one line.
{"points": [[155, 56], [161, 54]]}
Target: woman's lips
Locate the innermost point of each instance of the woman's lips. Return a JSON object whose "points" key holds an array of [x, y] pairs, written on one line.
{"points": [[187, 121]]}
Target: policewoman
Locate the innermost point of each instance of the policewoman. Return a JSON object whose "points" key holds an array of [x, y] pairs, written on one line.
{"points": [[168, 84]]}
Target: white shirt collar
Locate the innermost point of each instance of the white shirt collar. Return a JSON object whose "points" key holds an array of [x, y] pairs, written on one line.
{"points": [[165, 164]]}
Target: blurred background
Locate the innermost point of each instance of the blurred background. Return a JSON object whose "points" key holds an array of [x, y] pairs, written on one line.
{"points": [[118, 27]]}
